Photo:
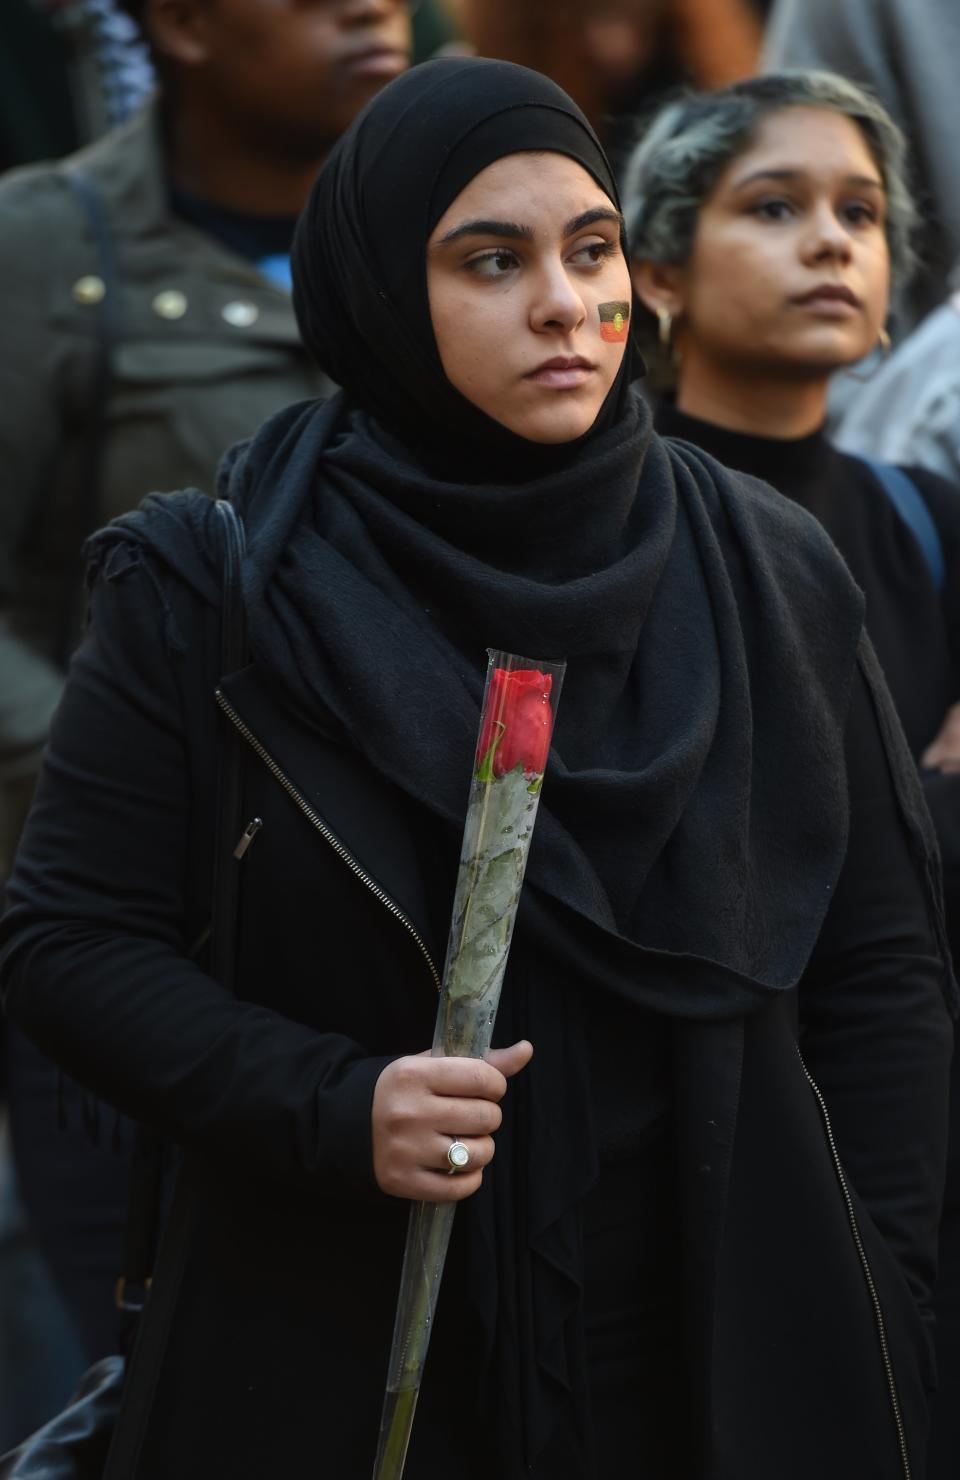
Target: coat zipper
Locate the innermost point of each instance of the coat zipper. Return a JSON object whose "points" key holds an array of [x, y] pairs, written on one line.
{"points": [[247, 837], [865, 1265], [328, 834]]}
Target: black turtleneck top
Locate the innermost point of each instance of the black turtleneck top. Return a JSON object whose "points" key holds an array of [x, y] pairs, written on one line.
{"points": [[915, 630]]}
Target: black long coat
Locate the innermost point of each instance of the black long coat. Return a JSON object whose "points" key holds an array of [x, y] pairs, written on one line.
{"points": [[806, 1286]]}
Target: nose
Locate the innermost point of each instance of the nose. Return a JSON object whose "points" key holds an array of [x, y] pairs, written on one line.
{"points": [[828, 238], [557, 303]]}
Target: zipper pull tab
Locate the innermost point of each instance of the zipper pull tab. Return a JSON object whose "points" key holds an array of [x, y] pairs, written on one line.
{"points": [[247, 836]]}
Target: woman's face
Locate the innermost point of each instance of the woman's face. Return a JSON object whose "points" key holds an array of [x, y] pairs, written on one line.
{"points": [[790, 269], [530, 295]]}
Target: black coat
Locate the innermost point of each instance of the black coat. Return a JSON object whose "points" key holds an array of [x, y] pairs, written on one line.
{"points": [[806, 1288]]}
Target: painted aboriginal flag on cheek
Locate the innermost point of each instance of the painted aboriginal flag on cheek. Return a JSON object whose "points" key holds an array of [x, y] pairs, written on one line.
{"points": [[614, 319]]}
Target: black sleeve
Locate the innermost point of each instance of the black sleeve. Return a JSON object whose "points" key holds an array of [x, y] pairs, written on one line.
{"points": [[95, 965], [943, 791], [875, 1031]]}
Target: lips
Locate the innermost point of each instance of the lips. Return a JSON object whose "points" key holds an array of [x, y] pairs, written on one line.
{"points": [[562, 362], [562, 373], [830, 293]]}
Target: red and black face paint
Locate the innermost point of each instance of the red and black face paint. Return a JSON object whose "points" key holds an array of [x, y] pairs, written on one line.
{"points": [[614, 321]]}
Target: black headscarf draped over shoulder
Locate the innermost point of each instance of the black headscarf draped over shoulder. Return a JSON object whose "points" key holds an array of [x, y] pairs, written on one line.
{"points": [[359, 256], [695, 813]]}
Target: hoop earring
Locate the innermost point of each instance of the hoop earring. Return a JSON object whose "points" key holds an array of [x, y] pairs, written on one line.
{"points": [[884, 347], [664, 327]]}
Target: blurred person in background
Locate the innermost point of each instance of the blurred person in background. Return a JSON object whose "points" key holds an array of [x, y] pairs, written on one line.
{"points": [[68, 70], [72, 69], [766, 222], [909, 411], [906, 52], [144, 291], [67, 67], [616, 57]]}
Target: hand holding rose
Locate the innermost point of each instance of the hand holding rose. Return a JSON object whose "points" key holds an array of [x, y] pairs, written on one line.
{"points": [[420, 1102]]}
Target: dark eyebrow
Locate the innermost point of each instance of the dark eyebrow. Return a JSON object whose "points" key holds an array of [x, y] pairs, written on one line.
{"points": [[599, 213], [860, 180], [512, 231], [481, 227]]}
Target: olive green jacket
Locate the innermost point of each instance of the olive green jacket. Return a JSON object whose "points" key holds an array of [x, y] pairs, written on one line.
{"points": [[204, 349]]}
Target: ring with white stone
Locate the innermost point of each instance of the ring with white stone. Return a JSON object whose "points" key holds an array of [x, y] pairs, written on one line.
{"points": [[458, 1155]]}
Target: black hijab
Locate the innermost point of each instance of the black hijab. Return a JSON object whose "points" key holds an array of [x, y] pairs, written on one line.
{"points": [[359, 260], [695, 808]]}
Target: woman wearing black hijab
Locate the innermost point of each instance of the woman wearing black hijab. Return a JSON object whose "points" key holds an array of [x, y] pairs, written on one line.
{"points": [[674, 1264]]}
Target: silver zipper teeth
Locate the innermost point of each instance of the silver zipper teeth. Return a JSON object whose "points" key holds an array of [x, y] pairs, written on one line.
{"points": [[867, 1272], [327, 833]]}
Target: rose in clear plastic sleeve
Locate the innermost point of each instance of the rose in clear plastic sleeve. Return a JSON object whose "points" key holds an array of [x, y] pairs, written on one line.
{"points": [[516, 725]]}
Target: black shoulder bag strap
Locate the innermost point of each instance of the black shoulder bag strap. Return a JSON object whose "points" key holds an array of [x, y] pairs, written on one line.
{"points": [[912, 507], [233, 655], [146, 1175]]}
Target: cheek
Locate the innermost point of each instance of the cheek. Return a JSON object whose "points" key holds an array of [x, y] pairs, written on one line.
{"points": [[738, 287], [878, 277], [609, 357], [471, 337], [729, 312], [714, 273]]}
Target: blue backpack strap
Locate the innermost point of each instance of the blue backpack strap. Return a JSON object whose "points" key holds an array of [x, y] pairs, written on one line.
{"points": [[910, 504]]}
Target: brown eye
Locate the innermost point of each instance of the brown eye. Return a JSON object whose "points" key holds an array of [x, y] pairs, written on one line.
{"points": [[772, 210], [594, 253], [493, 264], [858, 213]]}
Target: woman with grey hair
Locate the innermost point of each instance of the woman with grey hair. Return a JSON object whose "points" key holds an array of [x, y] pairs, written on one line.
{"points": [[767, 223]]}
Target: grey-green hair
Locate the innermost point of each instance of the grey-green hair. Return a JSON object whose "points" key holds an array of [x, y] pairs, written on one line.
{"points": [[682, 154]]}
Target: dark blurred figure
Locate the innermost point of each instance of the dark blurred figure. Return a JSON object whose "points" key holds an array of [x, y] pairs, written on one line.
{"points": [[435, 29], [37, 117], [144, 292], [617, 58], [68, 68], [69, 71]]}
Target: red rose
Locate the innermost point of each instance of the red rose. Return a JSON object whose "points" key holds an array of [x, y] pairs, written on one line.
{"points": [[517, 722]]}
